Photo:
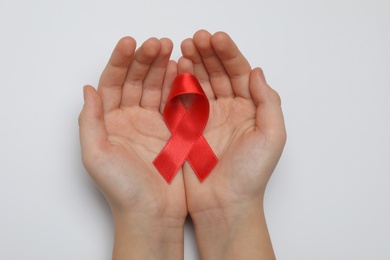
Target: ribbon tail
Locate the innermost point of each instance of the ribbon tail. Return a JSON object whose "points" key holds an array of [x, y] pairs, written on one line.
{"points": [[202, 159]]}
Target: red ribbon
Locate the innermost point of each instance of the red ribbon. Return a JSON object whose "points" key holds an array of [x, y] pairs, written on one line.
{"points": [[186, 125]]}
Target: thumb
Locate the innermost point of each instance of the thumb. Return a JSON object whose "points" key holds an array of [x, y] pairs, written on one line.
{"points": [[91, 123], [269, 115]]}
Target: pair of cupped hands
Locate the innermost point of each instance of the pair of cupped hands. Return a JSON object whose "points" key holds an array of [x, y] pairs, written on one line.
{"points": [[122, 130]]}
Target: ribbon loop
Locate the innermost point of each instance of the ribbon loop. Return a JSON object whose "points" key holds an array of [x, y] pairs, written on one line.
{"points": [[186, 125]]}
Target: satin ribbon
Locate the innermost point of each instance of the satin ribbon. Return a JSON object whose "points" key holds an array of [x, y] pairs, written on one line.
{"points": [[186, 125]]}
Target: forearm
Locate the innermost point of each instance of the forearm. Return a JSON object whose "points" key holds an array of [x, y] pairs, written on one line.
{"points": [[140, 238], [239, 233]]}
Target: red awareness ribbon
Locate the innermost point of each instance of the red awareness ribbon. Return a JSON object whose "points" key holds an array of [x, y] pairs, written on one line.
{"points": [[186, 125]]}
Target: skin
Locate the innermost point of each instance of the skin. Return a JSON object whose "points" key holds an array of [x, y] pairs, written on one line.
{"points": [[122, 131]]}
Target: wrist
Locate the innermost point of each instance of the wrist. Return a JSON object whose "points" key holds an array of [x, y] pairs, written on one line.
{"points": [[235, 232], [140, 237]]}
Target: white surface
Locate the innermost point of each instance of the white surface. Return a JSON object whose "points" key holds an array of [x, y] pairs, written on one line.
{"points": [[329, 60]]}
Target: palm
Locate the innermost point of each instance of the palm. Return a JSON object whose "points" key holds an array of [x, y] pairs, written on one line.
{"points": [[243, 167], [237, 143], [136, 135]]}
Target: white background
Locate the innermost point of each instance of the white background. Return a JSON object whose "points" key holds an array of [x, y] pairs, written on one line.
{"points": [[329, 60]]}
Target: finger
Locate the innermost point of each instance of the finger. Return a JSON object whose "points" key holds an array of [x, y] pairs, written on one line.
{"points": [[190, 52], [185, 66], [138, 69], [269, 115], [151, 92], [170, 76], [219, 79], [93, 134], [113, 76], [236, 66]]}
